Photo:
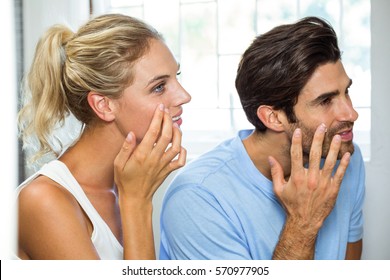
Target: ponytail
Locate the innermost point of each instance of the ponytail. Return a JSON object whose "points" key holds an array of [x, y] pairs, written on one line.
{"points": [[45, 102]]}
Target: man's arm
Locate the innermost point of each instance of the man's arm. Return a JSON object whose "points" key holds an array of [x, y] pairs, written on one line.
{"points": [[354, 250]]}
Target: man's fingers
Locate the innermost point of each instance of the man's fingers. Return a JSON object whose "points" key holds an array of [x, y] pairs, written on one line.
{"points": [[277, 175], [331, 158], [338, 176], [296, 152], [316, 149]]}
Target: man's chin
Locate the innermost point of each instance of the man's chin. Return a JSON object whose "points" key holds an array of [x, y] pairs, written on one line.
{"points": [[346, 147]]}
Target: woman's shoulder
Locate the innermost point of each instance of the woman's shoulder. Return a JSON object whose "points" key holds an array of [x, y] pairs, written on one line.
{"points": [[49, 216], [42, 190], [45, 201]]}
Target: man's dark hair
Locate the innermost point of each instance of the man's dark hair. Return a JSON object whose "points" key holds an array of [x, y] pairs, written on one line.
{"points": [[278, 64]]}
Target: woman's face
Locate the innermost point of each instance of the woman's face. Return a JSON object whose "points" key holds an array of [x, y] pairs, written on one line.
{"points": [[155, 82]]}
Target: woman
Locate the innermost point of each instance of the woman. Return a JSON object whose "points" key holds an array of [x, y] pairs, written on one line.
{"points": [[119, 79]]}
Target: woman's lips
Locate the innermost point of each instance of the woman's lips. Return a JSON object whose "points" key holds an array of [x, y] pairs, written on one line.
{"points": [[178, 120]]}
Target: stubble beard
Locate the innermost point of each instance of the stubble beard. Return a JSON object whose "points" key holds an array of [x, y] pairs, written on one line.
{"points": [[308, 134]]}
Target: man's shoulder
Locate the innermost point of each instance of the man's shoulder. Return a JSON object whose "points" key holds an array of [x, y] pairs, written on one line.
{"points": [[356, 157], [208, 169], [207, 163]]}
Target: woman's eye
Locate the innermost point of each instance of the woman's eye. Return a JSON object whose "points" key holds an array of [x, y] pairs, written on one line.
{"points": [[159, 88]]}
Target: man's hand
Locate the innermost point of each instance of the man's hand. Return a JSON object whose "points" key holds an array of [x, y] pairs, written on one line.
{"points": [[309, 195]]}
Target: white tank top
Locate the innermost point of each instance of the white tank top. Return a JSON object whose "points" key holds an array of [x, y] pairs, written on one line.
{"points": [[106, 244]]}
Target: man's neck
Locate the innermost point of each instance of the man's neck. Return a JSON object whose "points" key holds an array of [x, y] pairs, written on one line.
{"points": [[261, 145]]}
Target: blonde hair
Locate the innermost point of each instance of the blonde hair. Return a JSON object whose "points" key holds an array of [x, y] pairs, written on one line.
{"points": [[67, 66]]}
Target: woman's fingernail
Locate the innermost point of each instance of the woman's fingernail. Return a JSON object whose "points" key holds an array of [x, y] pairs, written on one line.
{"points": [[129, 137], [176, 125]]}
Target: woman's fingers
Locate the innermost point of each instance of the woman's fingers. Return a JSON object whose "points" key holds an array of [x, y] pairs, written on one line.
{"points": [[166, 136], [125, 152], [160, 148], [174, 145], [180, 161], [154, 130], [175, 155]]}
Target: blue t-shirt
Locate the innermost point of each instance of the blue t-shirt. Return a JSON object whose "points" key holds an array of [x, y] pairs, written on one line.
{"points": [[221, 207]]}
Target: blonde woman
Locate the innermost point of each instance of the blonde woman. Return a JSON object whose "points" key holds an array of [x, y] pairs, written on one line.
{"points": [[94, 200]]}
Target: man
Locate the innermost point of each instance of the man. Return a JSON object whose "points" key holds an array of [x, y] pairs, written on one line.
{"points": [[293, 188]]}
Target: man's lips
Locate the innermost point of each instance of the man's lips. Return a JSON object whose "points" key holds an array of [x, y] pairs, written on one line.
{"points": [[346, 135]]}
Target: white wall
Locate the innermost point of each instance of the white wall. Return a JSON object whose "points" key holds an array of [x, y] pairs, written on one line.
{"points": [[38, 15], [377, 208]]}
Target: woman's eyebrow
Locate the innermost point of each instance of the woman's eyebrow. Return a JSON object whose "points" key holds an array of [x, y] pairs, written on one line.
{"points": [[157, 78], [161, 77]]}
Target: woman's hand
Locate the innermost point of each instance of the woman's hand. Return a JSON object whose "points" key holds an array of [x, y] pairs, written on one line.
{"points": [[140, 170]]}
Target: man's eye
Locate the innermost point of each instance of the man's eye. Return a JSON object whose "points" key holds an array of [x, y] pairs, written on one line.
{"points": [[326, 101]]}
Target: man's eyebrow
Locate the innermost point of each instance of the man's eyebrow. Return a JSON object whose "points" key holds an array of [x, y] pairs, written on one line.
{"points": [[327, 95], [323, 97]]}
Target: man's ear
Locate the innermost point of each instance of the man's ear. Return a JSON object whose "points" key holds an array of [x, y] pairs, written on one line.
{"points": [[101, 105], [270, 118]]}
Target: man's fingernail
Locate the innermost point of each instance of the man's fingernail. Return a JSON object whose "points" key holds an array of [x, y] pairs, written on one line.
{"points": [[322, 128], [297, 132]]}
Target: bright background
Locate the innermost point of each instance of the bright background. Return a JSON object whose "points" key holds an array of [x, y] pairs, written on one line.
{"points": [[208, 37]]}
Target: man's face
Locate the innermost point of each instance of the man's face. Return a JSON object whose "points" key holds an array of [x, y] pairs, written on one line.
{"points": [[325, 99]]}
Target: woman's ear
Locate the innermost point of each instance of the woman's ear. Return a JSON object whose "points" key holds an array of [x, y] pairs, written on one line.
{"points": [[101, 105], [270, 118]]}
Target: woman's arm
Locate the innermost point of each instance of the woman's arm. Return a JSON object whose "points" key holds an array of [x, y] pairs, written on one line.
{"points": [[139, 171]]}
